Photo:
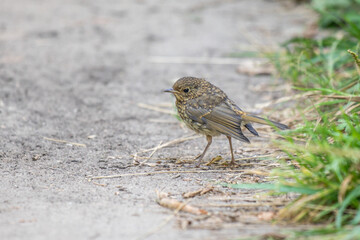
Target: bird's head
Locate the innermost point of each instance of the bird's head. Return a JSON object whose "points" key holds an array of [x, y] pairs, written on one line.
{"points": [[187, 88]]}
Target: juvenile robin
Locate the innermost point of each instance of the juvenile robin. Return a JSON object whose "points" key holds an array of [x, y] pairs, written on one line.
{"points": [[207, 110]]}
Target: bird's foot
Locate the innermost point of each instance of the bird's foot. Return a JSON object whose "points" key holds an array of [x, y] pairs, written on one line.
{"points": [[199, 159], [232, 164]]}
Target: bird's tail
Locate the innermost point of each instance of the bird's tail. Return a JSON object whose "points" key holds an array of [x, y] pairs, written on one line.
{"points": [[252, 118]]}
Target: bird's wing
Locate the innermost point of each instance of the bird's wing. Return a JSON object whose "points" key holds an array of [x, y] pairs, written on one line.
{"points": [[220, 118]]}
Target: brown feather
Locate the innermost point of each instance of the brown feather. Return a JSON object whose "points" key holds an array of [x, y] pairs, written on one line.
{"points": [[252, 118]]}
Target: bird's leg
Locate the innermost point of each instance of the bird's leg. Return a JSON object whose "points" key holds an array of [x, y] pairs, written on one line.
{"points": [[200, 157], [232, 153]]}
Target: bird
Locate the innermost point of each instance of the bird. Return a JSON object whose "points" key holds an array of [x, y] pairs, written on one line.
{"points": [[207, 110]]}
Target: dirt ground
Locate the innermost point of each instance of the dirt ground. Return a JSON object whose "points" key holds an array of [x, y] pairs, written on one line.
{"points": [[78, 71]]}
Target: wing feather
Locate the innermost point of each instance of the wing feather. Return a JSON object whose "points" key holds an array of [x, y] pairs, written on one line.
{"points": [[220, 118]]}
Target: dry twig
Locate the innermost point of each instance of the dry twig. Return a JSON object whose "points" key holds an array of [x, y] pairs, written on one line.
{"points": [[164, 201], [158, 228], [198, 192]]}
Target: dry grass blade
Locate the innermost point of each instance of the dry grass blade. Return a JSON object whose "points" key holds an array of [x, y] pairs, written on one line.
{"points": [[157, 109], [350, 85], [349, 98], [255, 157], [170, 172], [347, 110], [343, 187], [64, 141], [256, 172], [289, 211], [152, 153], [352, 107], [327, 208], [246, 205], [172, 142]]}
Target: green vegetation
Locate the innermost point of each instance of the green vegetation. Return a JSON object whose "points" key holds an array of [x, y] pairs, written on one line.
{"points": [[328, 169], [327, 146], [327, 150], [324, 145]]}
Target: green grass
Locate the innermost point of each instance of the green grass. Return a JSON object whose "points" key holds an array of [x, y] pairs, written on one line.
{"points": [[320, 63], [328, 158], [324, 143], [329, 165]]}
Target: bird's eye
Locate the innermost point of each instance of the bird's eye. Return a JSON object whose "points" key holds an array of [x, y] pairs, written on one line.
{"points": [[186, 90]]}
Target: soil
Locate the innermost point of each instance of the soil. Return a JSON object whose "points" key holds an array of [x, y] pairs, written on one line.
{"points": [[78, 71]]}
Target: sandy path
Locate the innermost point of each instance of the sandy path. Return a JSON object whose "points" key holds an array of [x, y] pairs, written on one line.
{"points": [[76, 71]]}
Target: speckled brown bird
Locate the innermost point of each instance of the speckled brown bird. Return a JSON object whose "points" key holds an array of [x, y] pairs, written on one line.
{"points": [[207, 110]]}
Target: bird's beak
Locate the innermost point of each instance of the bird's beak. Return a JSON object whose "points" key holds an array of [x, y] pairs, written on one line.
{"points": [[170, 90]]}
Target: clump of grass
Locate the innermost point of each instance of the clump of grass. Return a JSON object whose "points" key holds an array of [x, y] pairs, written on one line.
{"points": [[339, 14], [324, 62], [325, 164], [329, 168], [319, 63]]}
